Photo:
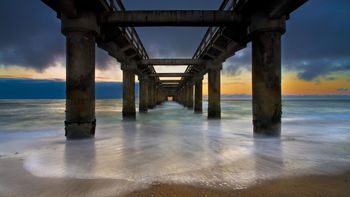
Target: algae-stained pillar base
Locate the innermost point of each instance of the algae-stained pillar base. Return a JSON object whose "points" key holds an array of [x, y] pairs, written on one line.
{"points": [[80, 75], [129, 111], [143, 97], [266, 71], [214, 106], [198, 96]]}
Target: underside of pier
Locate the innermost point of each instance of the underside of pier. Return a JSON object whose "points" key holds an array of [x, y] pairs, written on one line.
{"points": [[109, 26]]}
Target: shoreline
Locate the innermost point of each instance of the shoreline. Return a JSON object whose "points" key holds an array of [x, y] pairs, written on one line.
{"points": [[306, 185], [16, 181]]}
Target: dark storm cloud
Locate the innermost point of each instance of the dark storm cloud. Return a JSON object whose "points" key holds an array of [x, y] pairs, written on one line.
{"points": [[239, 62], [30, 35], [316, 42], [103, 60], [312, 69]]}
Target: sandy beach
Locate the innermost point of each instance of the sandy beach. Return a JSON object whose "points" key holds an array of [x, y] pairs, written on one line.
{"points": [[335, 185], [16, 181]]}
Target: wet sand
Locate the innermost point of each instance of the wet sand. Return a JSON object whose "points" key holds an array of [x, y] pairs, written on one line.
{"points": [[16, 181], [329, 186]]}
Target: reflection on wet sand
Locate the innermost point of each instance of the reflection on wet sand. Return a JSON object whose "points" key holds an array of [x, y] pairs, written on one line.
{"points": [[268, 157], [79, 157]]}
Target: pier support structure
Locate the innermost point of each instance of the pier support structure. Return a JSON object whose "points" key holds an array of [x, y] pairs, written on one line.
{"points": [[179, 97], [266, 73], [80, 75], [151, 87], [129, 111], [185, 96], [198, 95], [189, 95], [214, 107], [143, 94]]}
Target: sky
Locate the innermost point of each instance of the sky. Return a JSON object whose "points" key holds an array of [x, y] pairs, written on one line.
{"points": [[315, 47]]}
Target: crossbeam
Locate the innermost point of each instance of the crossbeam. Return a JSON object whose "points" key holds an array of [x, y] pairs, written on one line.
{"points": [[170, 75], [169, 81], [169, 85], [171, 62], [192, 18]]}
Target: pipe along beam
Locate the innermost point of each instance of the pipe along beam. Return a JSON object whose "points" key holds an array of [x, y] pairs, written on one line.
{"points": [[191, 18]]}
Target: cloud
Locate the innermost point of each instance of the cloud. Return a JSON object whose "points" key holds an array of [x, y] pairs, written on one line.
{"points": [[103, 60], [31, 36], [311, 70], [174, 42], [315, 43], [342, 89], [240, 62]]}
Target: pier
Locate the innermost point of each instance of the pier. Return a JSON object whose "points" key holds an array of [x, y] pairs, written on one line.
{"points": [[109, 26]]}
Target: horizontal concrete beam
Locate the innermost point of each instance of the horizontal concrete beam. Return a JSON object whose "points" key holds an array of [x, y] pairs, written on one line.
{"points": [[169, 81], [169, 85], [170, 75], [173, 18], [173, 89], [171, 62]]}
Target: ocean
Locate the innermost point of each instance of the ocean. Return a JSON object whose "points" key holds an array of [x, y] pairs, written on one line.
{"points": [[171, 144]]}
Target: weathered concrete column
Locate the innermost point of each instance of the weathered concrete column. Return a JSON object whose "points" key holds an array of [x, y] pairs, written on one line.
{"points": [[214, 106], [190, 96], [155, 96], [80, 75], [150, 88], [158, 96], [198, 95], [129, 111], [154, 103], [186, 96], [143, 94], [266, 70], [179, 97]]}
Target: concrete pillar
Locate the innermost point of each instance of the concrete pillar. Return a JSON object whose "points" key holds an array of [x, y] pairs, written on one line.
{"points": [[214, 108], [158, 96], [185, 96], [154, 92], [266, 71], [150, 94], [80, 75], [155, 101], [198, 96], [179, 97], [129, 111], [190, 96], [143, 94]]}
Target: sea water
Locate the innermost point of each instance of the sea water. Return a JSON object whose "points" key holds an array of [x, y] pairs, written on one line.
{"points": [[171, 144]]}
